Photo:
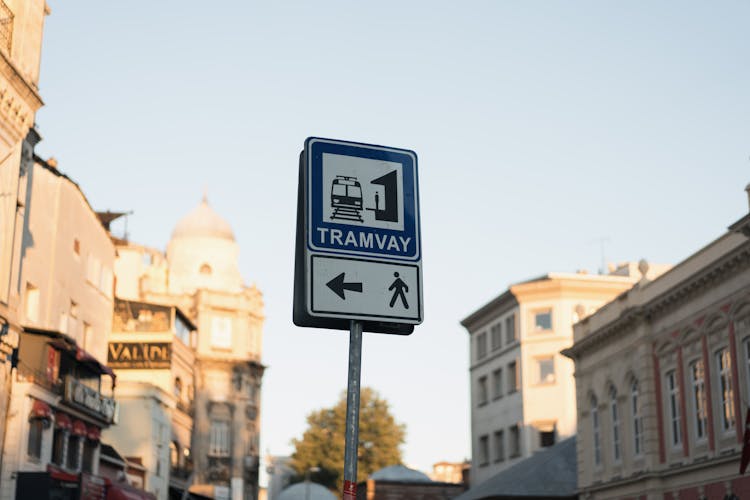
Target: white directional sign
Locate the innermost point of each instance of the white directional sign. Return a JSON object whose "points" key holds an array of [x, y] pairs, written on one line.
{"points": [[362, 255], [363, 289]]}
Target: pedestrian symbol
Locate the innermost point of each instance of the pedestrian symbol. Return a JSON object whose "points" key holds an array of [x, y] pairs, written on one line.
{"points": [[399, 287]]}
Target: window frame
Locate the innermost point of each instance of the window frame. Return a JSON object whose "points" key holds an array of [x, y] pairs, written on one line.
{"points": [[596, 432], [539, 312], [636, 418], [614, 415], [725, 389], [674, 418], [499, 448], [482, 391]]}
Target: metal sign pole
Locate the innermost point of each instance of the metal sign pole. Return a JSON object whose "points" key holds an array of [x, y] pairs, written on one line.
{"points": [[352, 411]]}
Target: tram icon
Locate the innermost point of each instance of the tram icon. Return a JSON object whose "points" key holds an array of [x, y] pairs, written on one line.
{"points": [[346, 199]]}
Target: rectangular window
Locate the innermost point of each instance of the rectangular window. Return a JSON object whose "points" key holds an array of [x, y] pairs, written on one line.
{"points": [[595, 432], [76, 246], [34, 445], [218, 445], [499, 446], [543, 320], [74, 452], [635, 407], [58, 446], [496, 333], [497, 384], [697, 379], [615, 414], [482, 391], [726, 391], [32, 303], [513, 377], [89, 449], [88, 334], [546, 370], [482, 345], [484, 450], [673, 395], [515, 441], [510, 329], [221, 332]]}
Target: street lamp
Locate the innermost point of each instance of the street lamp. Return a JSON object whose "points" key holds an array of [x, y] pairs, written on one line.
{"points": [[307, 480]]}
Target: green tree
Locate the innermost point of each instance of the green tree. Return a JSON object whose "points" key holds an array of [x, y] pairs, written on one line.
{"points": [[321, 447]]}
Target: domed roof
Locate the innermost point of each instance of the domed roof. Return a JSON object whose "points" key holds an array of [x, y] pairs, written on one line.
{"points": [[203, 221], [300, 491], [400, 473]]}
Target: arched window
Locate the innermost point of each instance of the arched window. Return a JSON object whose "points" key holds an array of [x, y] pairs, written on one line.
{"points": [[206, 269], [614, 412], [178, 387], [635, 409], [595, 431], [174, 454]]}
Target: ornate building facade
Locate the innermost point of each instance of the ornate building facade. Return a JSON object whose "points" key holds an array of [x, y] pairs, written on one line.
{"points": [[21, 26], [199, 274], [663, 381]]}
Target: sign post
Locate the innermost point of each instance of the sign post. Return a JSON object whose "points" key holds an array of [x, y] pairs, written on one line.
{"points": [[358, 256]]}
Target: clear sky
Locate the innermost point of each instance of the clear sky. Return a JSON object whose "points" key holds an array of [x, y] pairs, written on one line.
{"points": [[541, 129]]}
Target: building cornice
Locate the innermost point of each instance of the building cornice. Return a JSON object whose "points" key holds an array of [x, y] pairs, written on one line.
{"points": [[677, 295], [20, 100], [489, 311]]}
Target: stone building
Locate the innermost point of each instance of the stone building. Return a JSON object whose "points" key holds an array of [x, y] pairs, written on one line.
{"points": [[522, 389], [21, 26], [199, 274], [663, 381]]}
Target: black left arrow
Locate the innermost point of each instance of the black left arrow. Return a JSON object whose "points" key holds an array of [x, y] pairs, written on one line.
{"points": [[338, 286]]}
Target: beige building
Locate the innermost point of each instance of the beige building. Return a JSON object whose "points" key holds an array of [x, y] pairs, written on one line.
{"points": [[663, 379], [151, 351], [21, 25], [522, 389], [61, 398], [200, 275]]}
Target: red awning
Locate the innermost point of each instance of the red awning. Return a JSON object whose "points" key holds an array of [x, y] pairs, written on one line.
{"points": [[118, 491], [93, 432], [79, 428], [40, 409], [62, 421]]}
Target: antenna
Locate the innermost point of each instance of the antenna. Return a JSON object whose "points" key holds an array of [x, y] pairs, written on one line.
{"points": [[602, 240]]}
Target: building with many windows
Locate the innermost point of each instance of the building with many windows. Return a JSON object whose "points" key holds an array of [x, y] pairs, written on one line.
{"points": [[663, 380], [151, 351], [199, 275], [61, 398], [522, 389]]}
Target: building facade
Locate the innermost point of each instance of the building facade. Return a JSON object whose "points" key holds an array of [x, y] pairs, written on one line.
{"points": [[663, 381], [522, 389], [61, 396], [199, 274], [151, 351], [21, 26]]}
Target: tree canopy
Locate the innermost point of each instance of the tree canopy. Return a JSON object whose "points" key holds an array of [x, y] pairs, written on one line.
{"points": [[322, 444]]}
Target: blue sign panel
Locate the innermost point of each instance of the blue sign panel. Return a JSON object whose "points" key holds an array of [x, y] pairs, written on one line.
{"points": [[362, 200]]}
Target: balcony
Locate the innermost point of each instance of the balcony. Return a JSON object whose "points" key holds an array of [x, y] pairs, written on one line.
{"points": [[29, 375], [89, 400]]}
